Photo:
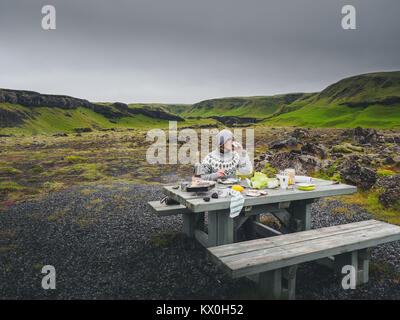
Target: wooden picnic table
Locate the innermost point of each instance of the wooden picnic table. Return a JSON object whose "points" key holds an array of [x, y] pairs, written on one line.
{"points": [[292, 207], [272, 261]]}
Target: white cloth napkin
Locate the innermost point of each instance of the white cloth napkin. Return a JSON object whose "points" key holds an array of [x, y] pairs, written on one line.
{"points": [[237, 202]]}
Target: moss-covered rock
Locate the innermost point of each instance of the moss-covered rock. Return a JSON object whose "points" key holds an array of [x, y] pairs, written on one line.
{"points": [[346, 148]]}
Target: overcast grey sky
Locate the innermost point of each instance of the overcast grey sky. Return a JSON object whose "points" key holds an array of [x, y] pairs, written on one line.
{"points": [[185, 51]]}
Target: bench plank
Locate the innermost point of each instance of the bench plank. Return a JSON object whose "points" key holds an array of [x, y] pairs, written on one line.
{"points": [[309, 246], [162, 209], [278, 252], [257, 244]]}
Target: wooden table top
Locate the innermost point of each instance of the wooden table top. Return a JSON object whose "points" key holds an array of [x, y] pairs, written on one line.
{"points": [[195, 202]]}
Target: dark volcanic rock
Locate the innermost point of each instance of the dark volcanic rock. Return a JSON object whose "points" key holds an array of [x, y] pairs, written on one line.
{"points": [[396, 161], [391, 187], [231, 120], [10, 118], [80, 130], [35, 99], [364, 135], [389, 160], [366, 160], [314, 150], [300, 133], [283, 143], [353, 173], [262, 160], [303, 164], [59, 134]]}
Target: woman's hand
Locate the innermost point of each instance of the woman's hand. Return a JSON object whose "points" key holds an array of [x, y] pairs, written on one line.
{"points": [[238, 147], [221, 173]]}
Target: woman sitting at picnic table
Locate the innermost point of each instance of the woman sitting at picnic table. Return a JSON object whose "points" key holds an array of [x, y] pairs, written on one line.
{"points": [[227, 160]]}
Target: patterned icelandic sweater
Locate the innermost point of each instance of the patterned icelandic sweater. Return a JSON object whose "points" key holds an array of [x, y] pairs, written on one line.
{"points": [[231, 162]]}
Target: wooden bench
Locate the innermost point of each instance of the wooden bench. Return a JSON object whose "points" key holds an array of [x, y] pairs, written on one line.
{"points": [[162, 210], [189, 218], [274, 260]]}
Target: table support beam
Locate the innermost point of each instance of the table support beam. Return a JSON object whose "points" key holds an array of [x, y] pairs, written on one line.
{"points": [[264, 230]]}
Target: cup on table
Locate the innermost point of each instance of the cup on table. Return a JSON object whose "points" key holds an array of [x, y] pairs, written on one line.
{"points": [[290, 173]]}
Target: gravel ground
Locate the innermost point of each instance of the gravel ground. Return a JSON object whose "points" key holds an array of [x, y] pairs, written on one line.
{"points": [[105, 244]]}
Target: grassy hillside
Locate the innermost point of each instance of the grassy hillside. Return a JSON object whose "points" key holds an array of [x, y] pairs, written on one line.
{"points": [[255, 107], [369, 100], [29, 112], [364, 90], [173, 108], [339, 116], [46, 120], [51, 120]]}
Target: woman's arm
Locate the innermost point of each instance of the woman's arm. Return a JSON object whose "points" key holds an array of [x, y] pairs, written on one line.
{"points": [[207, 171]]}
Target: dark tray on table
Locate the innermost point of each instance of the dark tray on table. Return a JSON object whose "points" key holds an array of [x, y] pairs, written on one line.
{"points": [[202, 187]]}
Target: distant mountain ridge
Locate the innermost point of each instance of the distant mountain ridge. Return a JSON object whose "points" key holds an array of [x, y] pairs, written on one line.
{"points": [[115, 110], [255, 107], [367, 100], [21, 108]]}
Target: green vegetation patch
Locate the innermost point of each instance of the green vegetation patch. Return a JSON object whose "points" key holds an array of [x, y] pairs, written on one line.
{"points": [[9, 186], [385, 173], [269, 171], [9, 170], [347, 148], [75, 159]]}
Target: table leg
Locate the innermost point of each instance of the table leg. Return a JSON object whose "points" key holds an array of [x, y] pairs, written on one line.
{"points": [[363, 265], [212, 228], [301, 215], [221, 228], [344, 259], [192, 221], [270, 284], [226, 229]]}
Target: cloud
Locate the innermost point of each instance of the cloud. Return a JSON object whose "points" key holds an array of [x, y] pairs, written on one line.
{"points": [[184, 50]]}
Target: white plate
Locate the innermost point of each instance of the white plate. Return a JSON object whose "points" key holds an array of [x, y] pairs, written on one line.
{"points": [[228, 181], [305, 185], [253, 193]]}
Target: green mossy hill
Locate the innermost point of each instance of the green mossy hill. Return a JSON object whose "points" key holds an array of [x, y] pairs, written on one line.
{"points": [[27, 112], [254, 107], [368, 100]]}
